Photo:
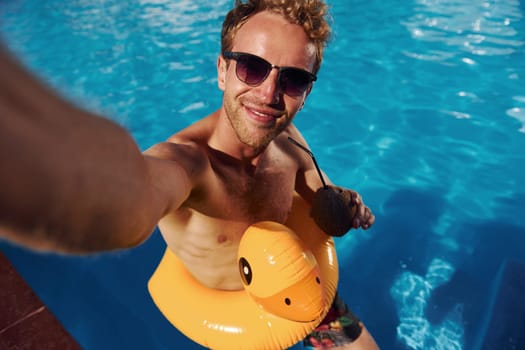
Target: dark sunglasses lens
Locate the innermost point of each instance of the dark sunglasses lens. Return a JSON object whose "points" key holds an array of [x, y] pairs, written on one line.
{"points": [[252, 70], [294, 82]]}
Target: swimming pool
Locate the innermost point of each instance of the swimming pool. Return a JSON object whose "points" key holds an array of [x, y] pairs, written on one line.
{"points": [[419, 105]]}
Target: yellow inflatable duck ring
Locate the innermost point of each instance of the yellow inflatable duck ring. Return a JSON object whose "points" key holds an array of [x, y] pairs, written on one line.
{"points": [[290, 276]]}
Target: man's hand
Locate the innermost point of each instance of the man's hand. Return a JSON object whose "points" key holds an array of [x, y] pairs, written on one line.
{"points": [[337, 210]]}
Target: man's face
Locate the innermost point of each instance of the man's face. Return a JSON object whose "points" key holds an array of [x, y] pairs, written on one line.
{"points": [[259, 113]]}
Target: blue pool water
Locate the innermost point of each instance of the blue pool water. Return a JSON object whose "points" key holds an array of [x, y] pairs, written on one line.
{"points": [[420, 106]]}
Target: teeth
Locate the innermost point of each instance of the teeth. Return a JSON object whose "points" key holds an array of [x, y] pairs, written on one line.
{"points": [[263, 114]]}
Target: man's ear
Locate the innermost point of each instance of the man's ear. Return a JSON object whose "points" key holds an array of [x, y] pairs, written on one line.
{"points": [[222, 67]]}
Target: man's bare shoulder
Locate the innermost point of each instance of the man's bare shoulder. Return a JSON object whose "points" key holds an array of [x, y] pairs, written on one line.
{"points": [[284, 143], [290, 132], [197, 133], [185, 153], [187, 145], [185, 149]]}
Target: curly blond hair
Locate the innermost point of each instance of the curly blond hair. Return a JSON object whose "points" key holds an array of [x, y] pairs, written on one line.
{"points": [[312, 15]]}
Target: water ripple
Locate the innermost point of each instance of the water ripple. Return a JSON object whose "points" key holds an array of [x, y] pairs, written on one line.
{"points": [[480, 28]]}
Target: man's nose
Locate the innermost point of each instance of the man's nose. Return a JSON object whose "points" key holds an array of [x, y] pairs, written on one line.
{"points": [[269, 89]]}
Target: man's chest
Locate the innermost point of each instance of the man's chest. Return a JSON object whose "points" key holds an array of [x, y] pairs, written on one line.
{"points": [[264, 195]]}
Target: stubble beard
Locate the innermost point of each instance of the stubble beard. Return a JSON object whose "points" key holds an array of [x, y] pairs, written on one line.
{"points": [[259, 139]]}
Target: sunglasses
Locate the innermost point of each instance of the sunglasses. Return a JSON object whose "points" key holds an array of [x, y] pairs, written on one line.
{"points": [[253, 70]]}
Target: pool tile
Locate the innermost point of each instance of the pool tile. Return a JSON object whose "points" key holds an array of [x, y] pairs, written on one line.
{"points": [[25, 322], [39, 331], [17, 300]]}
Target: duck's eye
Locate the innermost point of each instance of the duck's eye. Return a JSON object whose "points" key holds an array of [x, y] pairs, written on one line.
{"points": [[246, 271]]}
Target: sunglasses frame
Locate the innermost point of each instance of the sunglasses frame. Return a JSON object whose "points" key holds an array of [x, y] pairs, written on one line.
{"points": [[236, 56]]}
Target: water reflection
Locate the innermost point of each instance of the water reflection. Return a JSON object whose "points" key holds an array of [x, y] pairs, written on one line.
{"points": [[518, 113], [475, 27], [411, 293]]}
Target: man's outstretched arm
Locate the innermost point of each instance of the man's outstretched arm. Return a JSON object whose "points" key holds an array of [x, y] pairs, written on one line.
{"points": [[72, 181]]}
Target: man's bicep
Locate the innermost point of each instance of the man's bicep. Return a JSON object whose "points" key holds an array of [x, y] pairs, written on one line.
{"points": [[308, 182]]}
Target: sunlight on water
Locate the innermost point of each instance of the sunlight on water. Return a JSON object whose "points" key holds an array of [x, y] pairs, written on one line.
{"points": [[519, 114], [419, 106], [411, 293], [477, 27]]}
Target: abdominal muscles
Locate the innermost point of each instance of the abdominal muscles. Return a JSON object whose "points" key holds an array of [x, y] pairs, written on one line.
{"points": [[208, 248]]}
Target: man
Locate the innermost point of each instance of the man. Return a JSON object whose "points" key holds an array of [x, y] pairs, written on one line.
{"points": [[77, 183]]}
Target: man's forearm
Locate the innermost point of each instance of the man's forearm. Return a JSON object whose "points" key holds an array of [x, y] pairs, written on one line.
{"points": [[69, 180]]}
